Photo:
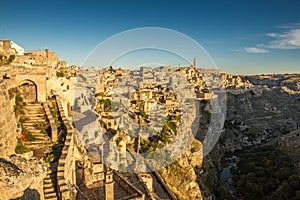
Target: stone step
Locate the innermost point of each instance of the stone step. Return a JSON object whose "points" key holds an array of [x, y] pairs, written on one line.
{"points": [[41, 138], [63, 187], [37, 133], [34, 113], [33, 123], [51, 175], [49, 190], [33, 104], [47, 181], [30, 127], [50, 195], [61, 167], [49, 172], [52, 198], [48, 186], [32, 130], [38, 141], [33, 108], [33, 118]]}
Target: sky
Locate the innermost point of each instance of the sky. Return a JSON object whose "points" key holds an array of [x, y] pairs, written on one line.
{"points": [[242, 37]]}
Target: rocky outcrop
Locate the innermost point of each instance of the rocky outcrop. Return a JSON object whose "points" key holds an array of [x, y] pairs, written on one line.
{"points": [[257, 115], [181, 176], [21, 176], [270, 109]]}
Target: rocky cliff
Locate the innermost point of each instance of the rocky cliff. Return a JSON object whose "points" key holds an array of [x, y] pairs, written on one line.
{"points": [[181, 176], [21, 176], [271, 109]]}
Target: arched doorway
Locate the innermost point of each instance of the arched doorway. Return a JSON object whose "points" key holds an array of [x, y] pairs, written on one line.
{"points": [[28, 91]]}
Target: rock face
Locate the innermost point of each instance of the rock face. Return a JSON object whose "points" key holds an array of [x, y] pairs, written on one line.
{"points": [[257, 115], [21, 177], [270, 109], [181, 176]]}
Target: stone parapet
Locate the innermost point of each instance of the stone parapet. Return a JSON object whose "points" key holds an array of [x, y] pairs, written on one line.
{"points": [[133, 191], [64, 182], [51, 122]]}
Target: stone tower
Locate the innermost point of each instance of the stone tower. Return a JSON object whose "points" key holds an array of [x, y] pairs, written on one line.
{"points": [[195, 62], [109, 185]]}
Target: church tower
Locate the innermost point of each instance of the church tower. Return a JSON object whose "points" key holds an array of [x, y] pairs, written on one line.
{"points": [[109, 185], [195, 62]]}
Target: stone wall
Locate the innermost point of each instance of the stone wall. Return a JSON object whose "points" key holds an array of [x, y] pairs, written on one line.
{"points": [[51, 121], [66, 164], [8, 124], [133, 191], [72, 151]]}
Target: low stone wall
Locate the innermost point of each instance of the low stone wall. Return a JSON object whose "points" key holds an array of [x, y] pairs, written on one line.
{"points": [[148, 192], [51, 122], [65, 162], [162, 182], [157, 175], [135, 193]]}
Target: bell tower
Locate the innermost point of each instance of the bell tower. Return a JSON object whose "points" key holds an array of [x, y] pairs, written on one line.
{"points": [[109, 185]]}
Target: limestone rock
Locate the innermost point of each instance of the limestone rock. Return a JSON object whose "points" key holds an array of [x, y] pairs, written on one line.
{"points": [[181, 177], [20, 175]]}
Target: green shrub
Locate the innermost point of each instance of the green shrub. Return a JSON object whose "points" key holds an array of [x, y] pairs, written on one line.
{"points": [[60, 74], [11, 58], [144, 114], [49, 157], [107, 105], [29, 137], [21, 148], [172, 126]]}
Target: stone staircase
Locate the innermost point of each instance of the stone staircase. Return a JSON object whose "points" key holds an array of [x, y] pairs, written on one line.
{"points": [[35, 114], [50, 184]]}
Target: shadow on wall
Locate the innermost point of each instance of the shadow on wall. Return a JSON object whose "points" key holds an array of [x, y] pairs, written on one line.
{"points": [[29, 194]]}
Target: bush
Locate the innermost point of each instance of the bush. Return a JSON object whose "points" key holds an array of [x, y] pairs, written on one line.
{"points": [[49, 157], [11, 58], [107, 105], [118, 140], [21, 148], [60, 74], [29, 137], [82, 77], [144, 114], [172, 126]]}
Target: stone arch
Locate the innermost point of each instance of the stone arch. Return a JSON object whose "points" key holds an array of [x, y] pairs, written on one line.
{"points": [[28, 90]]}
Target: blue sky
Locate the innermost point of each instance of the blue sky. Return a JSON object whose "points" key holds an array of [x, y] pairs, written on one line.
{"points": [[242, 37]]}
